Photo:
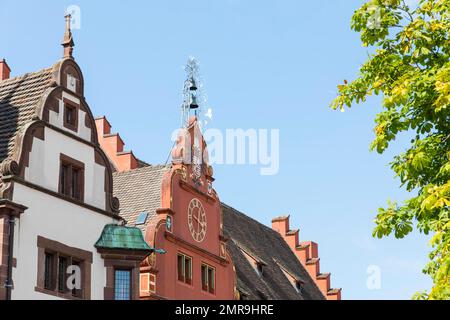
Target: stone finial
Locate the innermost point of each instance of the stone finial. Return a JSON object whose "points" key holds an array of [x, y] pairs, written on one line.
{"points": [[68, 43]]}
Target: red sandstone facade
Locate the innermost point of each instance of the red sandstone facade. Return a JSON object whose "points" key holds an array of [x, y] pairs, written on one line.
{"points": [[176, 231], [159, 274], [179, 190]]}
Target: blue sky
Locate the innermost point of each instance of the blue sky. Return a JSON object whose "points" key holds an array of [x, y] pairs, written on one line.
{"points": [[265, 64]]}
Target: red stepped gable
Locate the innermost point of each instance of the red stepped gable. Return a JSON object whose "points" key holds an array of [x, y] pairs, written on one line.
{"points": [[307, 253], [196, 263], [113, 145], [165, 193]]}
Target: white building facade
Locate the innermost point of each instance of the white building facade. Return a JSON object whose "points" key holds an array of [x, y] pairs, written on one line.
{"points": [[59, 222]]}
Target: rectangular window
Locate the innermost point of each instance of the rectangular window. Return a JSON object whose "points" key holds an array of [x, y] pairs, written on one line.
{"points": [[122, 284], [70, 115], [211, 280], [180, 267], [48, 271], [208, 279], [204, 277], [64, 178], [62, 274], [76, 183], [55, 275], [77, 292], [184, 266], [71, 178], [63, 271]]}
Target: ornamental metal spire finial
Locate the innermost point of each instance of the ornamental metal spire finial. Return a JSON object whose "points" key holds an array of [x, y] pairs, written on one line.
{"points": [[68, 43], [194, 96]]}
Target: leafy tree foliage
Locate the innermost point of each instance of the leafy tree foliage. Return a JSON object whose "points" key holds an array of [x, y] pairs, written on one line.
{"points": [[410, 68]]}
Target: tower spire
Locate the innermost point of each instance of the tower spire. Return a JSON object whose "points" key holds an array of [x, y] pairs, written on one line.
{"points": [[68, 43], [191, 92]]}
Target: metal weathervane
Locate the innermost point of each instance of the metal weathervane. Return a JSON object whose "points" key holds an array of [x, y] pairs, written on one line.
{"points": [[194, 96]]}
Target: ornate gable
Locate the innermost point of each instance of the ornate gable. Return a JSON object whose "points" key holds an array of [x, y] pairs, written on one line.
{"points": [[50, 102]]}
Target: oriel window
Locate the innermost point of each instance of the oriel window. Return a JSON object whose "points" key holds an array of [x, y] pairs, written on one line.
{"points": [[122, 284]]}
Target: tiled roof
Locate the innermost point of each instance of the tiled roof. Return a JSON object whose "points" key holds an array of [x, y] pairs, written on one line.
{"points": [[260, 241], [139, 190], [121, 237], [18, 100], [142, 163]]}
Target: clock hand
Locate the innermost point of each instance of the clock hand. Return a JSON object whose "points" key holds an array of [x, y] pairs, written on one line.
{"points": [[196, 219], [200, 223]]}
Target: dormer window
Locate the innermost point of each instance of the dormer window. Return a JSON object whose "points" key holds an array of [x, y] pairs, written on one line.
{"points": [[70, 115], [71, 178], [141, 218], [259, 268], [296, 283], [298, 286], [256, 263], [261, 295]]}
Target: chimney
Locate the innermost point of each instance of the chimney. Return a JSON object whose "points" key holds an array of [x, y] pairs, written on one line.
{"points": [[5, 71]]}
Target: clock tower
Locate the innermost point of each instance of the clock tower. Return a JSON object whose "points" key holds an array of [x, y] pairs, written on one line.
{"points": [[196, 263]]}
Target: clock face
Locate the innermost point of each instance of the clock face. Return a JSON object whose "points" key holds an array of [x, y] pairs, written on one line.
{"points": [[197, 220]]}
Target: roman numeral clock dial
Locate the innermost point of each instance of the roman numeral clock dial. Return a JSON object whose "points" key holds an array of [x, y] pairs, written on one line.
{"points": [[197, 220]]}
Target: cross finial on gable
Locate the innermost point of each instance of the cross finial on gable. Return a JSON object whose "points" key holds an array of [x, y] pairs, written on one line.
{"points": [[68, 43]]}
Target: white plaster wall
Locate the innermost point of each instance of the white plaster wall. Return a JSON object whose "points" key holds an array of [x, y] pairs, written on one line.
{"points": [[58, 220], [44, 162], [71, 83], [57, 118]]}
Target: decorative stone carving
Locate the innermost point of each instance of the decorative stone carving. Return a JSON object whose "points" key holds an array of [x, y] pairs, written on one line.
{"points": [[10, 167], [115, 204]]}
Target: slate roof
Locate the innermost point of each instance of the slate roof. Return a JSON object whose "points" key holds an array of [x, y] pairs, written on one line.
{"points": [[248, 235], [139, 190], [19, 97], [121, 237]]}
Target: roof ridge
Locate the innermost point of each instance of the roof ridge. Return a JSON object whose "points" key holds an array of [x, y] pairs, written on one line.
{"points": [[250, 218], [145, 168]]}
